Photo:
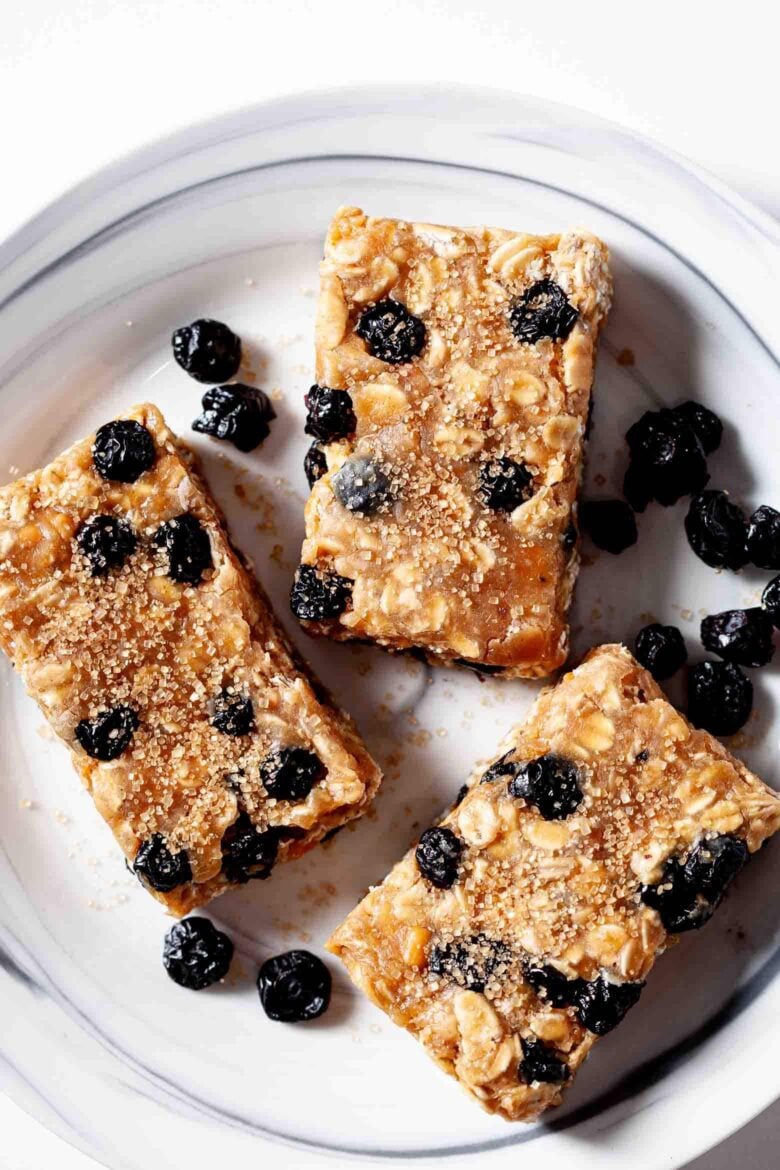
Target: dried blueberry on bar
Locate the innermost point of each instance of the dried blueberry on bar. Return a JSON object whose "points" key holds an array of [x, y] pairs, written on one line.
{"points": [[525, 925], [454, 371], [159, 663]]}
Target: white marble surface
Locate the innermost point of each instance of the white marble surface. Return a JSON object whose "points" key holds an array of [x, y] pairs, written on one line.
{"points": [[87, 80]]}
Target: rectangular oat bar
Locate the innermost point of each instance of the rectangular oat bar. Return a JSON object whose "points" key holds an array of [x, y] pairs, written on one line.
{"points": [[524, 925], [454, 371], [157, 660]]}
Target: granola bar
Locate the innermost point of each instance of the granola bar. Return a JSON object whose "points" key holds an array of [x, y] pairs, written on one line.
{"points": [[524, 925], [158, 661], [454, 371]]}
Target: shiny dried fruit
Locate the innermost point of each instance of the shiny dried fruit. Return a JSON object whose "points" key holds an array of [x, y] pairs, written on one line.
{"points": [[391, 332], [239, 414], [470, 962], [109, 734], [551, 784], [106, 542], [763, 538], [329, 414], [601, 1005], [504, 484], [187, 546], [770, 600], [667, 457], [717, 530], [690, 892], [720, 697], [743, 636], [233, 714], [196, 954], [123, 450], [610, 524], [247, 852], [660, 649], [159, 868], [542, 1064], [361, 486], [294, 987], [207, 350], [438, 855], [315, 464], [543, 310], [290, 773], [704, 422], [550, 984]]}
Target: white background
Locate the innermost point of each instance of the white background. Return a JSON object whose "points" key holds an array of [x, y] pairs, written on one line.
{"points": [[82, 81]]}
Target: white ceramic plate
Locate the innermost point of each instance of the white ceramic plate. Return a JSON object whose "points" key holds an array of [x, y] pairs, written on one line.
{"points": [[226, 220]]}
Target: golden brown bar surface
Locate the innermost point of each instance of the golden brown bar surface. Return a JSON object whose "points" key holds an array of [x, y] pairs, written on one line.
{"points": [[537, 938], [477, 440], [212, 708]]}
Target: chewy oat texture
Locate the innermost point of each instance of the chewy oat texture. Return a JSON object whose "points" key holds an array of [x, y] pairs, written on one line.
{"points": [[449, 500], [540, 938], [157, 660]]}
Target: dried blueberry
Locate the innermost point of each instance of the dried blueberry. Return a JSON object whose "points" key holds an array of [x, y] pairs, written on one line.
{"points": [[717, 530], [438, 856], [290, 773], [188, 548], [123, 450], [550, 984], [233, 714], [660, 649], [689, 894], [543, 310], [770, 599], [706, 425], [743, 636], [208, 350], [318, 595], [569, 536], [391, 332], [542, 1064], [667, 458], [459, 795], [501, 767], [551, 784], [196, 954], [294, 987], [240, 414], [504, 484], [720, 697], [470, 962], [314, 463], [329, 414], [601, 1005], [610, 524], [106, 542], [361, 486], [763, 538], [247, 852], [157, 867], [107, 735]]}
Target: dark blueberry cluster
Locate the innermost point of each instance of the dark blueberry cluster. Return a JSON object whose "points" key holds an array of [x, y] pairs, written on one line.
{"points": [[610, 524], [743, 636], [391, 332], [187, 546], [717, 530], [233, 714], [318, 595], [329, 414], [109, 734], [543, 310], [159, 868], [504, 484], [361, 486], [207, 350], [763, 538], [660, 649], [599, 1004], [196, 954], [542, 1064], [720, 697], [239, 414], [294, 987], [290, 773], [248, 853], [703, 422], [314, 464], [551, 784], [667, 459], [690, 891], [469, 962], [438, 856], [123, 450], [106, 542]]}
